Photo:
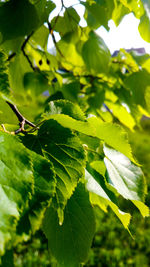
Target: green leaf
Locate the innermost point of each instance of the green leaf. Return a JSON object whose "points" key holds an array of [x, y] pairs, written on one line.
{"points": [[96, 99], [8, 259], [147, 98], [98, 13], [12, 45], [44, 190], [134, 6], [122, 114], [111, 134], [96, 55], [61, 147], [43, 8], [101, 196], [29, 105], [20, 66], [16, 185], [7, 116], [65, 107], [119, 12], [144, 25], [40, 37], [126, 177], [69, 55], [4, 82], [70, 242], [71, 90], [27, 184], [35, 82], [68, 23], [17, 18], [138, 82], [64, 150]]}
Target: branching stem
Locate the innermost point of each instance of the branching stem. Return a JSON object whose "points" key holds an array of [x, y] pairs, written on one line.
{"points": [[22, 120]]}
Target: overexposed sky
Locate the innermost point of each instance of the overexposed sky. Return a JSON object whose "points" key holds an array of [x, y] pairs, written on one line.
{"points": [[126, 35]]}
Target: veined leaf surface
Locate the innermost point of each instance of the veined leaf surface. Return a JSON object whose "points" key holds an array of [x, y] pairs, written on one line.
{"points": [[69, 243], [126, 177]]}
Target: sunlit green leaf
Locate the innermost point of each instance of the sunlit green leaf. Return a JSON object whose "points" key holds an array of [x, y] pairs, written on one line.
{"points": [[66, 24], [4, 81], [119, 12], [65, 107], [40, 37], [122, 114], [96, 54], [111, 134], [126, 177], [134, 6], [144, 26], [102, 197], [71, 59], [98, 13]]}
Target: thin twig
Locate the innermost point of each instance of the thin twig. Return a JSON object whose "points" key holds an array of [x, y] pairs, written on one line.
{"points": [[62, 4], [22, 120], [11, 56], [54, 40], [4, 129], [24, 53], [19, 115]]}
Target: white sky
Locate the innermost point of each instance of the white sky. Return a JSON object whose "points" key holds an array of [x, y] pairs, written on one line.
{"points": [[126, 35]]}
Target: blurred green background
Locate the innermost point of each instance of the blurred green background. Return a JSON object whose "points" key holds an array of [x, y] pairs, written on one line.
{"points": [[112, 245]]}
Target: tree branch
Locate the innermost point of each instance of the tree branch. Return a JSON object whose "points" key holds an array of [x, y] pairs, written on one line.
{"points": [[22, 120]]}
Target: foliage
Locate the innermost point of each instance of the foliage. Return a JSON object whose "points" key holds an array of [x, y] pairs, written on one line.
{"points": [[74, 155]]}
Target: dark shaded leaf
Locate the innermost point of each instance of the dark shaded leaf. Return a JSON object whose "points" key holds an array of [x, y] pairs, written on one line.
{"points": [[69, 243]]}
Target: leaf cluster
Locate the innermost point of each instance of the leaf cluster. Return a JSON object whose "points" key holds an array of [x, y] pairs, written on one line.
{"points": [[72, 153]]}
